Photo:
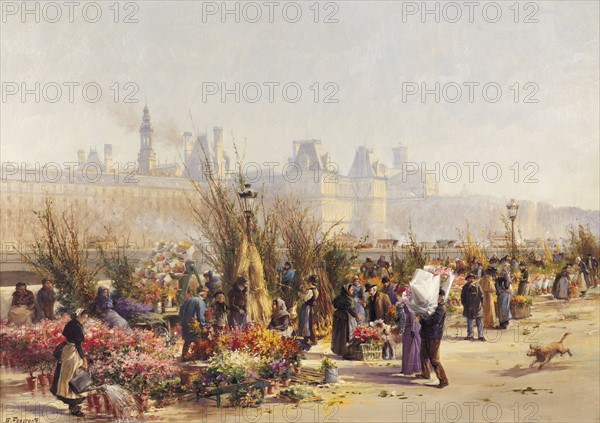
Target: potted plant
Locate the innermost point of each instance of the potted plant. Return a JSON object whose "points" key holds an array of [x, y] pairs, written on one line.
{"points": [[329, 368]]}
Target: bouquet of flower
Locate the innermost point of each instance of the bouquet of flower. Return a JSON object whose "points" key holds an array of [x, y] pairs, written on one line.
{"points": [[521, 301], [232, 367], [326, 364], [246, 397], [129, 308], [365, 334]]}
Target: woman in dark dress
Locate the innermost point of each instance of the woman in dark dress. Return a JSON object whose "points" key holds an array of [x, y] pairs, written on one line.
{"points": [[71, 359], [344, 321]]}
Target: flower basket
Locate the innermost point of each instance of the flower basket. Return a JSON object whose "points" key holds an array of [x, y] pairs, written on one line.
{"points": [[32, 383], [369, 352], [43, 379], [520, 312]]}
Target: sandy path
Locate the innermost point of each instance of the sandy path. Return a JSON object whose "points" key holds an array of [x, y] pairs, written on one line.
{"points": [[489, 382]]}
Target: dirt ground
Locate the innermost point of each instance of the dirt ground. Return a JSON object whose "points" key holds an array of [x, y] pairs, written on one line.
{"points": [[489, 381]]}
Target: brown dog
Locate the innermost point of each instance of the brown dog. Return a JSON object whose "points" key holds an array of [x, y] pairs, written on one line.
{"points": [[544, 353]]}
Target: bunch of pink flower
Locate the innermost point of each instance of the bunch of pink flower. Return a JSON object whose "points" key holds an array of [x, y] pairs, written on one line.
{"points": [[363, 333]]}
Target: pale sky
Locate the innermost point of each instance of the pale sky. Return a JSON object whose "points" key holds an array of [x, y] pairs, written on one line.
{"points": [[371, 55]]}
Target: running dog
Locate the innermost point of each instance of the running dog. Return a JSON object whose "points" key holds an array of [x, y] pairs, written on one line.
{"points": [[544, 353]]}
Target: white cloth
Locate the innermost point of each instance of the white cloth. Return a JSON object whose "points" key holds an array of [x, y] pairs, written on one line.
{"points": [[424, 288]]}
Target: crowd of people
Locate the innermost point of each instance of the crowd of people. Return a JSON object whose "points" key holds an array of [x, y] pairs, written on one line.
{"points": [[355, 304]]}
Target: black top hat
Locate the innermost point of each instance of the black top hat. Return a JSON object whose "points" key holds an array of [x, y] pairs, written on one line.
{"points": [[442, 293], [368, 286], [385, 279], [469, 276]]}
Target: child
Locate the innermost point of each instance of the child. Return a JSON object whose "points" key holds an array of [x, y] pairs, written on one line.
{"points": [[45, 298]]}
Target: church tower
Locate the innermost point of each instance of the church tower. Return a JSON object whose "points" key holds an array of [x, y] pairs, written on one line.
{"points": [[146, 156]]}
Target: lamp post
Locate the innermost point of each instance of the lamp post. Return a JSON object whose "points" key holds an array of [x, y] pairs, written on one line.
{"points": [[247, 197], [512, 208]]}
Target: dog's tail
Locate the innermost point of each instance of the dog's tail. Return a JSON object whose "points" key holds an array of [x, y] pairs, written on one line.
{"points": [[564, 336]]}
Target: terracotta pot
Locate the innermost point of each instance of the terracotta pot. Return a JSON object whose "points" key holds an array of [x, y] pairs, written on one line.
{"points": [[50, 377], [285, 382], [275, 383], [32, 383], [96, 399], [107, 406], [270, 390], [43, 379], [296, 369]]}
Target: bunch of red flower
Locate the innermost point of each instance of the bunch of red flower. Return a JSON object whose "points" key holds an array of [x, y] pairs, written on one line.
{"points": [[365, 333]]}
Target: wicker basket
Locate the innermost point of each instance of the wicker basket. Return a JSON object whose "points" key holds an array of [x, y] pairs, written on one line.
{"points": [[368, 352], [520, 312]]}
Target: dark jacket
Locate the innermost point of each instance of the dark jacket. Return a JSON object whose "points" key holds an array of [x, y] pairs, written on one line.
{"points": [[432, 327], [73, 331], [280, 324], [471, 298]]}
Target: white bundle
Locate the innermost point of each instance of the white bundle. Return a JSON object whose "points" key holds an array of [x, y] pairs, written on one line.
{"points": [[424, 288], [447, 285]]}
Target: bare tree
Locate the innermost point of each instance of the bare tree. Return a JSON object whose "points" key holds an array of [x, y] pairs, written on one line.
{"points": [[223, 241], [306, 242], [60, 252]]}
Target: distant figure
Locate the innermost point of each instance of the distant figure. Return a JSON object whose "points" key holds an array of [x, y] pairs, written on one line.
{"points": [[358, 294], [287, 274], [384, 267], [308, 296], [213, 283], [583, 277], [46, 297], [280, 318], [524, 280], [185, 282], [502, 292], [238, 303], [103, 306], [388, 288], [494, 259], [471, 298], [221, 311], [592, 264], [489, 306], [560, 288], [368, 269], [344, 321], [411, 342], [192, 308], [22, 307]]}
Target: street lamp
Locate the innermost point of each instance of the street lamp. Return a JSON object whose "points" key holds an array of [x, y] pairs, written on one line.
{"points": [[512, 208], [247, 197]]}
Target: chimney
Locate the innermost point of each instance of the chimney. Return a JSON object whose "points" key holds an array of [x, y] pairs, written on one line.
{"points": [[108, 160], [218, 143]]}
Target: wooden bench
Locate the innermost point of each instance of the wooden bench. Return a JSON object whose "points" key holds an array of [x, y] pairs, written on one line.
{"points": [[230, 389]]}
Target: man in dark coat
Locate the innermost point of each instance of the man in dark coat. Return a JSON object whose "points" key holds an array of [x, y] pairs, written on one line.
{"points": [[471, 298], [238, 303], [378, 303], [432, 330], [524, 280]]}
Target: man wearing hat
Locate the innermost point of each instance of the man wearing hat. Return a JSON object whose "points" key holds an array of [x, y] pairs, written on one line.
{"points": [[238, 303], [471, 298], [192, 308], [388, 288], [432, 330], [378, 303], [524, 280]]}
